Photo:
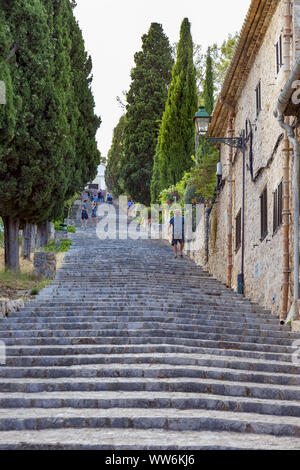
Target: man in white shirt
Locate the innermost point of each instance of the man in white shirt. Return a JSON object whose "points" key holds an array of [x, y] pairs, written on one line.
{"points": [[177, 224]]}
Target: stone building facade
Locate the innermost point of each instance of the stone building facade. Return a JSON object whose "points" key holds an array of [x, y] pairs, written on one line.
{"points": [[247, 220]]}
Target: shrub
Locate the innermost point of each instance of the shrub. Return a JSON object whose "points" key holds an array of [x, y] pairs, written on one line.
{"points": [[63, 247], [34, 291], [204, 174], [191, 195], [57, 225], [175, 193]]}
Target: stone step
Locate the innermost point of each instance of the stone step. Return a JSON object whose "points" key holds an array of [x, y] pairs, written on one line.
{"points": [[111, 301], [122, 356], [137, 384], [177, 400], [215, 333], [142, 311], [101, 297], [139, 439], [122, 322], [158, 371], [70, 316], [167, 346], [204, 340], [166, 419], [156, 348]]}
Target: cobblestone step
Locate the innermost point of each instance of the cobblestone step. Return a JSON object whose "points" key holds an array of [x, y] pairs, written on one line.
{"points": [[213, 341], [139, 439], [191, 347], [167, 355], [158, 371], [129, 348], [148, 316], [182, 384], [160, 418], [204, 332]]}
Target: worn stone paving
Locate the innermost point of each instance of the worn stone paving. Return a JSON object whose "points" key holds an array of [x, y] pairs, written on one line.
{"points": [[129, 348]]}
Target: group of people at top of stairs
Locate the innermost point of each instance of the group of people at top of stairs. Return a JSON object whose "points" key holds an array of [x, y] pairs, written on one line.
{"points": [[95, 197], [176, 222]]}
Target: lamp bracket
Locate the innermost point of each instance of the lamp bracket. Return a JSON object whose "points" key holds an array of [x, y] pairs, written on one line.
{"points": [[235, 142]]}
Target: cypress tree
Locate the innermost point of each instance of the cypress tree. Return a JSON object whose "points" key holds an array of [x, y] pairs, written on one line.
{"points": [[25, 177], [8, 121], [54, 134], [87, 153], [204, 147], [146, 101], [112, 171], [176, 134], [208, 89]]}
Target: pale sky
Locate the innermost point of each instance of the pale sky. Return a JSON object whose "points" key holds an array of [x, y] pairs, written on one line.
{"points": [[112, 30]]}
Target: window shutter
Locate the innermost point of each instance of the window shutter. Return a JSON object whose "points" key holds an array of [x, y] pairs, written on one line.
{"points": [[280, 204]]}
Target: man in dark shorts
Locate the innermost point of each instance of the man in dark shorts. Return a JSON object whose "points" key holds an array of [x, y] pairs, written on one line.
{"points": [[177, 224], [84, 213], [94, 213]]}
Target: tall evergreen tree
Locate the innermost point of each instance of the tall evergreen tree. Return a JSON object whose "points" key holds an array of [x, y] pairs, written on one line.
{"points": [[112, 171], [8, 122], [146, 100], [87, 154], [176, 135], [24, 176], [56, 124], [208, 91], [204, 147]]}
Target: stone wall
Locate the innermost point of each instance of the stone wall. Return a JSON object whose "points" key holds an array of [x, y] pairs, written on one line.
{"points": [[44, 265], [263, 258]]}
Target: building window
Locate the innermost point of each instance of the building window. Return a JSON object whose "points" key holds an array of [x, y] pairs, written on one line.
{"points": [[258, 98], [279, 62], [264, 214], [238, 231], [277, 208]]}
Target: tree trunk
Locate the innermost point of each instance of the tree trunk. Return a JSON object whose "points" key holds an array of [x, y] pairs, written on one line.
{"points": [[11, 243], [28, 234], [33, 234], [43, 234]]}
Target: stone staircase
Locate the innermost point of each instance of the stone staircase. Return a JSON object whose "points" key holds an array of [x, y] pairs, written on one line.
{"points": [[130, 348]]}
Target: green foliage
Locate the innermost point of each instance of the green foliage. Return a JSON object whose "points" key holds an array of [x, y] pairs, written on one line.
{"points": [[34, 291], [113, 174], [146, 100], [69, 228], [175, 193], [57, 225], [48, 148], [63, 247], [221, 57], [191, 195], [69, 203], [208, 91], [204, 174], [176, 135], [214, 229]]}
